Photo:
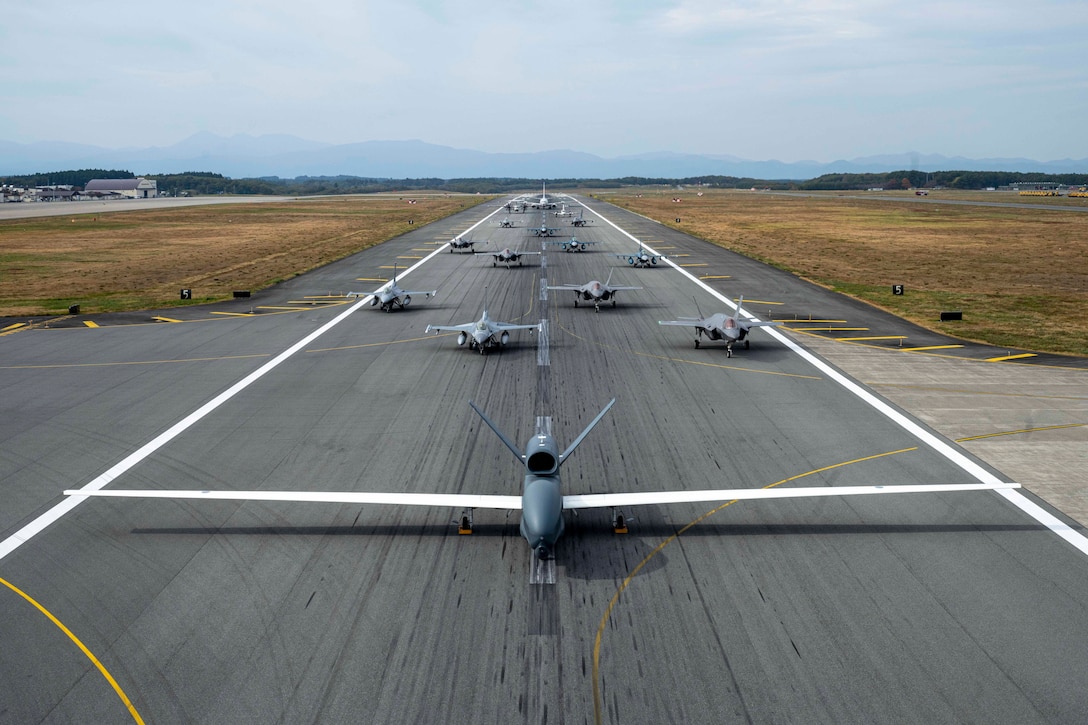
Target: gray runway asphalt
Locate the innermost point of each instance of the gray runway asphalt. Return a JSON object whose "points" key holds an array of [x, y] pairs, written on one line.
{"points": [[930, 608]]}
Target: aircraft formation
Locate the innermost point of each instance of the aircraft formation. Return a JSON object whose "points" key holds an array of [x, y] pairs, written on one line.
{"points": [[542, 502]]}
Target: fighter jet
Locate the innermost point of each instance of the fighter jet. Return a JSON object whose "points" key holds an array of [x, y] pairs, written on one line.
{"points": [[507, 223], [390, 295], [506, 256], [720, 326], [579, 221], [641, 258], [565, 212], [457, 243], [571, 245], [593, 291], [484, 334], [542, 501], [543, 230]]}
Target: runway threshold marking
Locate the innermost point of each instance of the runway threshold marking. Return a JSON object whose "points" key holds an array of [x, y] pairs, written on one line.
{"points": [[35, 527], [82, 647], [597, 712], [938, 444], [12, 328], [90, 323]]}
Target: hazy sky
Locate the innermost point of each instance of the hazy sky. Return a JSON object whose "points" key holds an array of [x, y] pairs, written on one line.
{"points": [[759, 79]]}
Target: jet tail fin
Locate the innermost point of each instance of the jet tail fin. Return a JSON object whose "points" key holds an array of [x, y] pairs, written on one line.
{"points": [[740, 304], [502, 436], [570, 449]]}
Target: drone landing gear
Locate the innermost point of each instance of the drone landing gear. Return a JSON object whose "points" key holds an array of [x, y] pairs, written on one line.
{"points": [[619, 522], [464, 522]]}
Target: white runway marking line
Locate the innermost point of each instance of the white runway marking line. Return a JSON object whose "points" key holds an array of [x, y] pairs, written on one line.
{"points": [[543, 357], [1077, 540], [39, 524]]}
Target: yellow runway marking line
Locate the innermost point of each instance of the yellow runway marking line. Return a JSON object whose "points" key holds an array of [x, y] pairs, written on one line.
{"points": [[233, 314], [875, 337], [16, 326], [671, 247], [822, 322], [696, 264], [407, 256], [82, 648], [273, 307], [387, 266], [134, 362], [835, 329], [309, 302], [597, 711], [716, 276], [931, 347], [165, 319], [1022, 430], [683, 254], [1003, 358], [371, 279], [761, 302], [90, 323], [423, 250]]}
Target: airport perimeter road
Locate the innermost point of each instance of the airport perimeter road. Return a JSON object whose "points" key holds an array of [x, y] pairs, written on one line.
{"points": [[926, 608]]}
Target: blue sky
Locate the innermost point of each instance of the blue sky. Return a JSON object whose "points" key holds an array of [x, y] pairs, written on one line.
{"points": [[758, 79]]}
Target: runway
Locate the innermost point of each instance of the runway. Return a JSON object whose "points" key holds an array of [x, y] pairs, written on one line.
{"points": [[928, 608]]}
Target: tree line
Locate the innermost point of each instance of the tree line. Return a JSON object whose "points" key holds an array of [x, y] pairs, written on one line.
{"points": [[193, 183]]}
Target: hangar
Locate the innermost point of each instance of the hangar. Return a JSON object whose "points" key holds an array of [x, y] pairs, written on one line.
{"points": [[139, 188]]}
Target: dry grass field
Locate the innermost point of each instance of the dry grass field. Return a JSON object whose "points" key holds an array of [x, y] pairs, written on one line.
{"points": [[141, 259], [1020, 276]]}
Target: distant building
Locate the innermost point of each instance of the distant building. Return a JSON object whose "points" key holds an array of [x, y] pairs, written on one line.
{"points": [[140, 188]]}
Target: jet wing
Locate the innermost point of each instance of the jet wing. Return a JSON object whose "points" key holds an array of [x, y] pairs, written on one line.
{"points": [[682, 322], [467, 327], [567, 286], [608, 500], [763, 323], [509, 326], [622, 289], [452, 500], [428, 293]]}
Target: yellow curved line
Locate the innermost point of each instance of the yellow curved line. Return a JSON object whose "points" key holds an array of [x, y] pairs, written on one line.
{"points": [[597, 715], [1022, 430], [94, 660]]}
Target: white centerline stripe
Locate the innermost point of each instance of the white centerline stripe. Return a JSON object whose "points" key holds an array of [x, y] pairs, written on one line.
{"points": [[36, 526], [939, 445]]}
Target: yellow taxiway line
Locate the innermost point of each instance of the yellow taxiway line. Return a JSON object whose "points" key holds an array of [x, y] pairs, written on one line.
{"points": [[875, 337], [82, 648], [931, 347], [1003, 358], [90, 323], [165, 319]]}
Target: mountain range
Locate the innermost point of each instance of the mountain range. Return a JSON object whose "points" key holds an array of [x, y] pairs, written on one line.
{"points": [[285, 156]]}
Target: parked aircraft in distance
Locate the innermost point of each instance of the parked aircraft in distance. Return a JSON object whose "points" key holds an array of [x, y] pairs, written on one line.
{"points": [[507, 255], [571, 245], [565, 212], [458, 243], [483, 334], [594, 291], [720, 326], [543, 202], [542, 501], [390, 295], [640, 258]]}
